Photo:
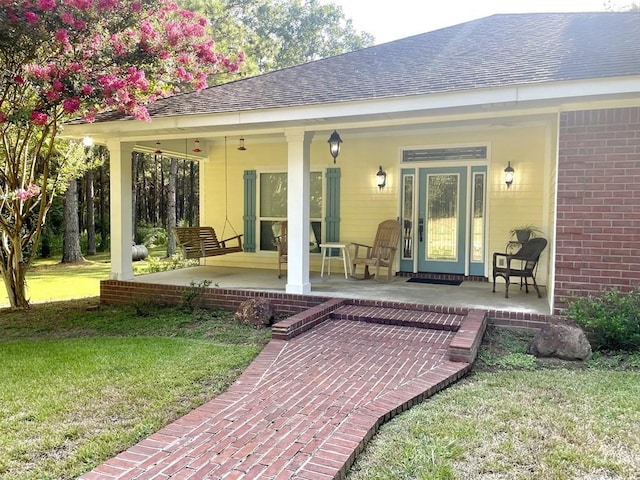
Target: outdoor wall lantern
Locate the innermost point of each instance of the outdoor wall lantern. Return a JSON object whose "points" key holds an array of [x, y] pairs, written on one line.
{"points": [[508, 174], [334, 145], [381, 178]]}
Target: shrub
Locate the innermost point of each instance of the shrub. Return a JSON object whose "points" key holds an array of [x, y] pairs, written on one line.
{"points": [[611, 320], [174, 262], [151, 236]]}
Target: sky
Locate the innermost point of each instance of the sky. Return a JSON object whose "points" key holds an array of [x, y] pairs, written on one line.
{"points": [[389, 20]]}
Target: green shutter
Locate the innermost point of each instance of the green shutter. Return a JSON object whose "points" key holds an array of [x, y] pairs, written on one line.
{"points": [[249, 210], [332, 220]]}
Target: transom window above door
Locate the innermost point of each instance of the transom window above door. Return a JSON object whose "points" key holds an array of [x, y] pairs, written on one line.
{"points": [[445, 153]]}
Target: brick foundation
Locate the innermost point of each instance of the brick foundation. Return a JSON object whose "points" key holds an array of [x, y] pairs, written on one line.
{"points": [[289, 305]]}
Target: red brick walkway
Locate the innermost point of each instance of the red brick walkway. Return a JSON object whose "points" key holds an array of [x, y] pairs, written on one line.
{"points": [[305, 407]]}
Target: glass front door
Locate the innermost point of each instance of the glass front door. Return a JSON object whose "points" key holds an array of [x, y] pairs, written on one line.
{"points": [[442, 207], [443, 213]]}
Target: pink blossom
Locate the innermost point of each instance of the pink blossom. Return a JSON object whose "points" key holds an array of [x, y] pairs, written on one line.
{"points": [[86, 89], [31, 17], [33, 190], [52, 95], [3, 117], [136, 6], [36, 71], [74, 67], [47, 5], [80, 25], [22, 194], [201, 81], [18, 79], [67, 18], [71, 104], [62, 36], [183, 75], [39, 118]]}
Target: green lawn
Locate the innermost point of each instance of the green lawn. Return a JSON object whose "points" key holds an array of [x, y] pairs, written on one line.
{"points": [[518, 418], [48, 280], [81, 382]]}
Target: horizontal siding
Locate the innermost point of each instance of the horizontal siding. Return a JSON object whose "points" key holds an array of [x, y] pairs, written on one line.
{"points": [[363, 205]]}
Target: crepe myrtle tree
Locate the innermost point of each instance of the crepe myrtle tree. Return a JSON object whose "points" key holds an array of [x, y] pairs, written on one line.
{"points": [[72, 59]]}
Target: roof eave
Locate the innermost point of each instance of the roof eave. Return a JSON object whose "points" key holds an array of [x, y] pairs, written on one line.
{"points": [[486, 100]]}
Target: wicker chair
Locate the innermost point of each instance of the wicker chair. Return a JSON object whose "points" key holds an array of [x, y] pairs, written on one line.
{"points": [[521, 264], [383, 251]]}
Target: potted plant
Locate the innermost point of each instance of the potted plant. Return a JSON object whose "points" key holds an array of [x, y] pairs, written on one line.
{"points": [[525, 232]]}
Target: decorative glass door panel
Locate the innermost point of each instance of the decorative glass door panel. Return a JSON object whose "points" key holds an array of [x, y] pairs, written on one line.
{"points": [[442, 217], [442, 220], [478, 221]]}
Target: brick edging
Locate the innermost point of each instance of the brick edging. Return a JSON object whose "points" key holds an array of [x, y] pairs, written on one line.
{"points": [[349, 440], [466, 342], [303, 321]]}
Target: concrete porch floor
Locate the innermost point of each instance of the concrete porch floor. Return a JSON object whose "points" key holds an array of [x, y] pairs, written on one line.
{"points": [[470, 294]]}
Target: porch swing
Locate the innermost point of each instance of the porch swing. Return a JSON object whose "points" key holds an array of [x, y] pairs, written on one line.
{"points": [[200, 242]]}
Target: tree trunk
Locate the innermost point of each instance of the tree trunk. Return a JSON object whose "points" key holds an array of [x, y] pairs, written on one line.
{"points": [[103, 214], [14, 273], [171, 207], [71, 252], [192, 195], [90, 220]]}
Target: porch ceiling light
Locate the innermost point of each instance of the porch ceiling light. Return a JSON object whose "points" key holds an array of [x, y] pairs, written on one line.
{"points": [[241, 146], [334, 145], [508, 174], [381, 178], [196, 146], [158, 151]]}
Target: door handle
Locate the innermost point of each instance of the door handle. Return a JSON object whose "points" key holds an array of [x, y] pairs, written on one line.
{"points": [[421, 229]]}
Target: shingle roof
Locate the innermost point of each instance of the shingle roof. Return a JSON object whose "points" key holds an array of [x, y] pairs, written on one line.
{"points": [[495, 51]]}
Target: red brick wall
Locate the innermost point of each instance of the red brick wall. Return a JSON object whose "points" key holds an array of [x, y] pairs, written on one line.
{"points": [[598, 226]]}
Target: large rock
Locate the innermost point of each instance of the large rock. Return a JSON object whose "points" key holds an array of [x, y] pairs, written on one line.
{"points": [[561, 340], [257, 312]]}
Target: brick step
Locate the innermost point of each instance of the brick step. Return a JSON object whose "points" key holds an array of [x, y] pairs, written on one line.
{"points": [[399, 316]]}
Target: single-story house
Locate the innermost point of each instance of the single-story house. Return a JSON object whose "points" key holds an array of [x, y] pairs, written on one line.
{"points": [[554, 97]]}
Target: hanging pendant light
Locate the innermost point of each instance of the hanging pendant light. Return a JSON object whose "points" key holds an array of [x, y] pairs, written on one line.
{"points": [[196, 148], [158, 151], [241, 146]]}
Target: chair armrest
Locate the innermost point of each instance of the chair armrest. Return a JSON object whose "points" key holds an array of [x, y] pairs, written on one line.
{"points": [[506, 256], [238, 238], [358, 245]]}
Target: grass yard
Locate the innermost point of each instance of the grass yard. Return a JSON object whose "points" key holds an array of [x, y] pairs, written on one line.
{"points": [[48, 280], [82, 381], [516, 417]]}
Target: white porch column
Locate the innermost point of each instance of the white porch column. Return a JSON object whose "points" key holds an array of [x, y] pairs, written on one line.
{"points": [[121, 213], [299, 147]]}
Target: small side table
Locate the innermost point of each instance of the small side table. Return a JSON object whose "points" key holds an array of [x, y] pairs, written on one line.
{"points": [[344, 255]]}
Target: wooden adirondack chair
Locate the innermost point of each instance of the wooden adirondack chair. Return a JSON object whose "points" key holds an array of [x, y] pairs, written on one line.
{"points": [[383, 251], [199, 242]]}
